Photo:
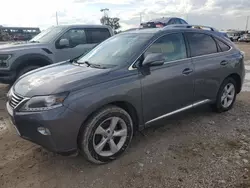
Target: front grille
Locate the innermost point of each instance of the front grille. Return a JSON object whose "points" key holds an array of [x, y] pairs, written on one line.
{"points": [[15, 100]]}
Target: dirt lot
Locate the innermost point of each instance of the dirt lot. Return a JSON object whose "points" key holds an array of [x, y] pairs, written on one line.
{"points": [[198, 148]]}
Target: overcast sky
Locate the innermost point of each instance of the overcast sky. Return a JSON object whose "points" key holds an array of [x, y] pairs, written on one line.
{"points": [[222, 14]]}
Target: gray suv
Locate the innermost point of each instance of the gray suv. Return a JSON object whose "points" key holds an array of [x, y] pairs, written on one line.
{"points": [[53, 45], [96, 102]]}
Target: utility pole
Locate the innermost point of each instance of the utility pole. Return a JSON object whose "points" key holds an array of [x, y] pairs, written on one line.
{"points": [[56, 19], [247, 23], [140, 18]]}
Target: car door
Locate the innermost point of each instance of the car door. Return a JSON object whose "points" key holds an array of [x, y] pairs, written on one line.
{"points": [[211, 64], [77, 45], [168, 87]]}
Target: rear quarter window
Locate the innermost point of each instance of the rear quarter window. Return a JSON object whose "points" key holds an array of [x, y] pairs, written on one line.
{"points": [[223, 46]]}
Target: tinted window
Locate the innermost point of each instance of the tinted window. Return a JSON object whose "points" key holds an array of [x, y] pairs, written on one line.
{"points": [[97, 35], [201, 44], [172, 21], [182, 21], [75, 37], [178, 21], [172, 46], [223, 47]]}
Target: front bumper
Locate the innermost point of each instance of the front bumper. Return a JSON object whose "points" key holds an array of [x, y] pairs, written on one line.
{"points": [[63, 124]]}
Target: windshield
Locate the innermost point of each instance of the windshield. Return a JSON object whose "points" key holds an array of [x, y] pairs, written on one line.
{"points": [[117, 50], [47, 35]]}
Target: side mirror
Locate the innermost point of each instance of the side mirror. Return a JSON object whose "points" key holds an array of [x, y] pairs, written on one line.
{"points": [[64, 43], [154, 59]]}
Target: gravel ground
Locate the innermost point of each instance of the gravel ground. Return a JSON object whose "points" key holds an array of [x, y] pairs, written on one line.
{"points": [[198, 148]]}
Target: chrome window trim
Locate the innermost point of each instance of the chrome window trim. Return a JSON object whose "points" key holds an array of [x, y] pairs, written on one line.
{"points": [[179, 110], [132, 68], [211, 54]]}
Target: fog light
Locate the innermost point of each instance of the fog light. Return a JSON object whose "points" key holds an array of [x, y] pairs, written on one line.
{"points": [[43, 131]]}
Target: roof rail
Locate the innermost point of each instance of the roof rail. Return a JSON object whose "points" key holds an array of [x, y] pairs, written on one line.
{"points": [[190, 26]]}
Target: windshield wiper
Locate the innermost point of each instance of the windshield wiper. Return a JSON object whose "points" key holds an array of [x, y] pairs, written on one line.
{"points": [[34, 41], [98, 66], [79, 63], [87, 63]]}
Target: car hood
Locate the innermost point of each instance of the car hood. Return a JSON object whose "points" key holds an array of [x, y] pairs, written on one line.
{"points": [[57, 78], [10, 47]]}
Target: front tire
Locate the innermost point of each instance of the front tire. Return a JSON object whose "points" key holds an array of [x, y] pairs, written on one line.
{"points": [[106, 135], [226, 95]]}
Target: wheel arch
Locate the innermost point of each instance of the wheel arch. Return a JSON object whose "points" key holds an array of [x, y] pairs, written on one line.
{"points": [[237, 79], [125, 105], [30, 59]]}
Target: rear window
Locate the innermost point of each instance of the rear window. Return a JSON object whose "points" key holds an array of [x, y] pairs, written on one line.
{"points": [[201, 44], [223, 46], [97, 35]]}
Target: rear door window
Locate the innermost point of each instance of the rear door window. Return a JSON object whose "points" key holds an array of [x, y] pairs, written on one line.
{"points": [[177, 21], [97, 35], [201, 44]]}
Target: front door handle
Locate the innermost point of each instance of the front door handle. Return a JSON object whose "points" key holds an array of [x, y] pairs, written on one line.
{"points": [[187, 71], [224, 62]]}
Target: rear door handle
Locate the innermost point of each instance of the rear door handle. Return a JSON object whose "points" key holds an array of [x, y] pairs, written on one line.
{"points": [[187, 71], [223, 63]]}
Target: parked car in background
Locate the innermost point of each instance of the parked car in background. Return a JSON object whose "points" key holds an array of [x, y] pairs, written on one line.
{"points": [[245, 38], [162, 22], [50, 46], [96, 102], [20, 33], [235, 35]]}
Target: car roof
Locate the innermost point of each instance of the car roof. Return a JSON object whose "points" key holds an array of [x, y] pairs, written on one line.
{"points": [[83, 26], [166, 29], [159, 31]]}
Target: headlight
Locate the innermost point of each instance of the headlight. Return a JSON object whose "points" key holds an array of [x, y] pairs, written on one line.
{"points": [[4, 60], [41, 103]]}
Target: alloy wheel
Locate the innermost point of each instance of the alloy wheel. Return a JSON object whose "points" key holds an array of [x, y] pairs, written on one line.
{"points": [[228, 95], [110, 136]]}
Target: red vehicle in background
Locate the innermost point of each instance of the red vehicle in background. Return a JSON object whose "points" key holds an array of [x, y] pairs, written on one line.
{"points": [[162, 22], [20, 33]]}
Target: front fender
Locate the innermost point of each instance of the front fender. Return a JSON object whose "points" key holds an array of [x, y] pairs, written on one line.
{"points": [[29, 57], [89, 100]]}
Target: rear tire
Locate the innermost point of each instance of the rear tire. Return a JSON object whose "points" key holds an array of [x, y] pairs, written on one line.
{"points": [[106, 135], [27, 69], [226, 96]]}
